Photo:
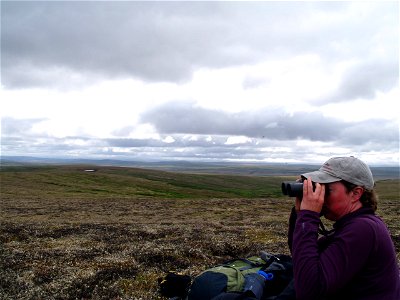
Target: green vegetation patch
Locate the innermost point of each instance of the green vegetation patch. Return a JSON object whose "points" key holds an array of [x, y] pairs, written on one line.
{"points": [[66, 181]]}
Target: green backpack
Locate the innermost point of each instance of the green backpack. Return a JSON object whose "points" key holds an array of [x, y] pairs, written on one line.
{"points": [[261, 276]]}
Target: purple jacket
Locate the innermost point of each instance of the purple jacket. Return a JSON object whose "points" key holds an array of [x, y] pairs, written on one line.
{"points": [[356, 261]]}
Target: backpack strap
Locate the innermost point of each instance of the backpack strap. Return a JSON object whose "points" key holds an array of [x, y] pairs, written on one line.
{"points": [[322, 230]]}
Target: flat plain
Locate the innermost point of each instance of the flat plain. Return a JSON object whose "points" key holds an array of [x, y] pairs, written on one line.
{"points": [[91, 232]]}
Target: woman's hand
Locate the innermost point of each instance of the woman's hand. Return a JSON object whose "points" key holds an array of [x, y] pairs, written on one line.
{"points": [[312, 200]]}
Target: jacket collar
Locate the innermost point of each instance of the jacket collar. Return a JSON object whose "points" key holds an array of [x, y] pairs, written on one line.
{"points": [[359, 212]]}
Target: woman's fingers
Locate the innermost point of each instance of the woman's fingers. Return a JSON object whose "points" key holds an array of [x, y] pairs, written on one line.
{"points": [[313, 198]]}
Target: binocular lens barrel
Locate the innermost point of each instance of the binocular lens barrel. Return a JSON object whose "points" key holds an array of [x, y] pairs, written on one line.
{"points": [[292, 188]]}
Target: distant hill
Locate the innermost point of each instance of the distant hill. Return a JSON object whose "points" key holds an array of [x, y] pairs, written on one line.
{"points": [[232, 168]]}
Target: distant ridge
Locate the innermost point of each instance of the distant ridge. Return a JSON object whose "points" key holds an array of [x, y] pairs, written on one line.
{"points": [[235, 168]]}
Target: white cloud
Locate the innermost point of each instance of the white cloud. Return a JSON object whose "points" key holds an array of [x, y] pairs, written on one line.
{"points": [[234, 140], [169, 139]]}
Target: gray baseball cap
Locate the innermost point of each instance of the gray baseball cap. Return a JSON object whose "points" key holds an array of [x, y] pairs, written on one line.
{"points": [[350, 169]]}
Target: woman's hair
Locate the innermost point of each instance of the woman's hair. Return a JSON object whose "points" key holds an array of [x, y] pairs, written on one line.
{"points": [[368, 199]]}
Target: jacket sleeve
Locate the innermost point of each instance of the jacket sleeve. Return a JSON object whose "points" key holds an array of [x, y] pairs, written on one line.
{"points": [[319, 273], [292, 224]]}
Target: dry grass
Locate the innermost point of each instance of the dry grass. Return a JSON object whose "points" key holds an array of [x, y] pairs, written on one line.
{"points": [[63, 244]]}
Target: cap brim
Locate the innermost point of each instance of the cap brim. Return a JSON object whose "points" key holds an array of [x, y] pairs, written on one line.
{"points": [[321, 177]]}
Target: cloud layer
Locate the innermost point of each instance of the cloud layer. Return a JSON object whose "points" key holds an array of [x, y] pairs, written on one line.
{"points": [[211, 80]]}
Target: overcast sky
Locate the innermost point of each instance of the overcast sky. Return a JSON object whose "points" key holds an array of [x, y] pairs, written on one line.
{"points": [[247, 81]]}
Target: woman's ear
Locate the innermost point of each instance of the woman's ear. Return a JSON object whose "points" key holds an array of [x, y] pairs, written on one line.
{"points": [[357, 192]]}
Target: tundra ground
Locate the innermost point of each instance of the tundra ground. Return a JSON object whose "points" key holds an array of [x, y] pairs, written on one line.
{"points": [[109, 234]]}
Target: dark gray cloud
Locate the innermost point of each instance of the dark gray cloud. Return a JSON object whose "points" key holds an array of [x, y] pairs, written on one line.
{"points": [[365, 80], [383, 134], [47, 43], [184, 118], [178, 118], [151, 40]]}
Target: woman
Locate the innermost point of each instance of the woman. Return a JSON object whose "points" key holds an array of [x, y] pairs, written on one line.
{"points": [[355, 261]]}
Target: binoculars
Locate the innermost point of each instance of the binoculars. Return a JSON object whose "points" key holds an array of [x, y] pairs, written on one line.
{"points": [[295, 188], [292, 188]]}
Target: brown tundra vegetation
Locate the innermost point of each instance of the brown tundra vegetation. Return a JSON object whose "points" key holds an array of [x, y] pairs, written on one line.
{"points": [[110, 234]]}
